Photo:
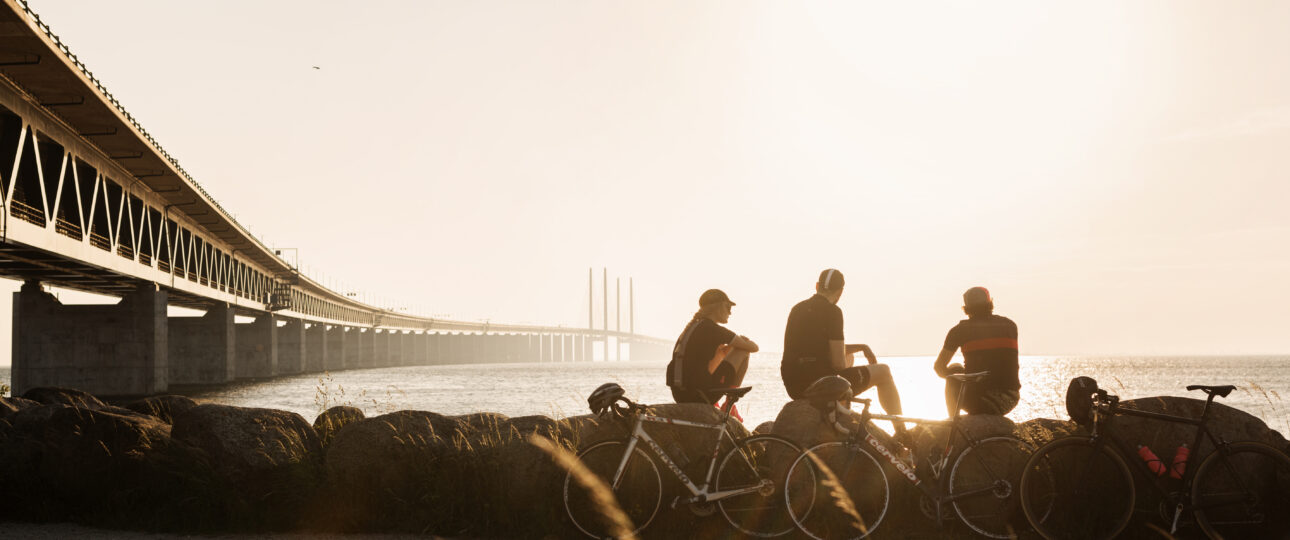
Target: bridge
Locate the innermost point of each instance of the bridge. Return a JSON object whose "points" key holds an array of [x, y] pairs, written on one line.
{"points": [[92, 202]]}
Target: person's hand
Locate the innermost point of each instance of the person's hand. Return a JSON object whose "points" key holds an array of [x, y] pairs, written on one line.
{"points": [[868, 354]]}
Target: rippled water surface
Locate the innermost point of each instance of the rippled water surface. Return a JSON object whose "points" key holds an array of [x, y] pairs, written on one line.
{"points": [[561, 389]]}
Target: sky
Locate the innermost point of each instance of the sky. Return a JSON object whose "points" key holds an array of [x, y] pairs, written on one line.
{"points": [[1115, 173]]}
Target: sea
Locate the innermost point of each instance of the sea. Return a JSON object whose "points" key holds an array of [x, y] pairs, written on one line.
{"points": [[561, 389]]}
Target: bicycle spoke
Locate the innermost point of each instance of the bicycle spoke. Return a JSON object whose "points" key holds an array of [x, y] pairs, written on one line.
{"points": [[1244, 492]]}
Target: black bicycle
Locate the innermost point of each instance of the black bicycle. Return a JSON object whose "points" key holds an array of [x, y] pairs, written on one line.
{"points": [[974, 477], [1082, 487]]}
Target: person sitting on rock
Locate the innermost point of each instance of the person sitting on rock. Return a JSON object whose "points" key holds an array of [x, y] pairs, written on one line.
{"points": [[707, 355], [814, 347], [989, 343]]}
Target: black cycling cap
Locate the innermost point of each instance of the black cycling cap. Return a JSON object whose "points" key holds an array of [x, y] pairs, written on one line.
{"points": [[712, 296]]}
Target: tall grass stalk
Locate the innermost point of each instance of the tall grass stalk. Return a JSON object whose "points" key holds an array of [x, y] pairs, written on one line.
{"points": [[841, 499], [606, 506]]}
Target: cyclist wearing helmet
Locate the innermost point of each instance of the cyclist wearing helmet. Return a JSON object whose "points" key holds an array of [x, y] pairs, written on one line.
{"points": [[989, 343], [814, 348], [708, 355]]}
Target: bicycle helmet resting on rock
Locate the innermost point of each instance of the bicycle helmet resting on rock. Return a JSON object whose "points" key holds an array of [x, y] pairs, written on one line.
{"points": [[826, 390], [604, 397]]}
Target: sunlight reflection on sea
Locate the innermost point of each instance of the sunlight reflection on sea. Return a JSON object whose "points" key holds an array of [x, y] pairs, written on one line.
{"points": [[561, 389]]}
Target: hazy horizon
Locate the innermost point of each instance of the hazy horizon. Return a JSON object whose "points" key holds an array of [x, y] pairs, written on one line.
{"points": [[1114, 173]]}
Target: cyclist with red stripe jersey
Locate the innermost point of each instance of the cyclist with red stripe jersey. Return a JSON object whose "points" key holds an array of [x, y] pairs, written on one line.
{"points": [[989, 343]]}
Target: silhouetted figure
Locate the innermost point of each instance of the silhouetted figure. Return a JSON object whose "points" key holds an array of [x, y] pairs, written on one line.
{"points": [[814, 347], [989, 343], [708, 355]]}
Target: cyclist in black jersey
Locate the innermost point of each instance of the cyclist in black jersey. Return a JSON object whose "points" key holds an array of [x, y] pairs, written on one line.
{"points": [[989, 343], [708, 355]]}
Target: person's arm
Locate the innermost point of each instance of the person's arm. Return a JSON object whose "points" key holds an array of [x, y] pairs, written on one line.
{"points": [[943, 366], [742, 342], [861, 348], [837, 355]]}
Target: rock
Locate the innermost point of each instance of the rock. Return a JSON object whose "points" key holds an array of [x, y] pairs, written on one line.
{"points": [[32, 419], [331, 420], [1226, 422], [245, 440], [481, 420], [384, 470], [765, 427], [66, 396], [11, 405], [166, 407]]}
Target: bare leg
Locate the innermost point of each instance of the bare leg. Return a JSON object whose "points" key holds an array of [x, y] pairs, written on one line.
{"points": [[952, 390], [738, 360], [888, 396]]}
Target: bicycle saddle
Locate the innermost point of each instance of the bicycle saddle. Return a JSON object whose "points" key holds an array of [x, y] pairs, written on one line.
{"points": [[1220, 391], [968, 377], [734, 393]]}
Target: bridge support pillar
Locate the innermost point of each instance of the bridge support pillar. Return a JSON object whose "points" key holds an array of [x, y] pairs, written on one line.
{"points": [[579, 348], [419, 341], [291, 347], [350, 355], [334, 360], [107, 350], [396, 348], [316, 348], [380, 348], [257, 347], [366, 352], [200, 349]]}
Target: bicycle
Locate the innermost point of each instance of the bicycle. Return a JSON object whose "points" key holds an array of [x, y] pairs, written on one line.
{"points": [[1086, 490], [980, 486], [744, 487]]}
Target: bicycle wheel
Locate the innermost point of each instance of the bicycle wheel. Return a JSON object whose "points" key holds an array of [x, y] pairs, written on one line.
{"points": [[987, 475], [1077, 488], [1243, 491], [639, 489], [850, 497], [761, 513]]}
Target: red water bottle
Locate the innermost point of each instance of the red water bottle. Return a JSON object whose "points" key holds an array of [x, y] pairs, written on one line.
{"points": [[1153, 462], [1180, 462]]}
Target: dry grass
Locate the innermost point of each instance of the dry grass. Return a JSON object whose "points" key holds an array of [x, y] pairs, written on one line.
{"points": [[606, 506]]}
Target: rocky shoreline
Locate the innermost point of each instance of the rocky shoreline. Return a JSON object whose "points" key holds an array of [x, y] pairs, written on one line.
{"points": [[169, 464]]}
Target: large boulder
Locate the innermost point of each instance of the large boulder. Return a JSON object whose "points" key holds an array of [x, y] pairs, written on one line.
{"points": [[67, 396], [331, 420], [244, 440], [1226, 422], [11, 405], [166, 407]]}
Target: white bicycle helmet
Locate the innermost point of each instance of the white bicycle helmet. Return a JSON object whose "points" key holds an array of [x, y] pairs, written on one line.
{"points": [[604, 397]]}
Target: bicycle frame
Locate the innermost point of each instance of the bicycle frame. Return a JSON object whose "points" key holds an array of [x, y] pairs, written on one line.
{"points": [[1103, 433], [910, 472], [699, 493]]}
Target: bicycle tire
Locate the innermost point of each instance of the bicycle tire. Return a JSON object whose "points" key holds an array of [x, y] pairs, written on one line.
{"points": [[762, 513], [1077, 488], [639, 492], [1243, 491], [996, 463], [863, 484]]}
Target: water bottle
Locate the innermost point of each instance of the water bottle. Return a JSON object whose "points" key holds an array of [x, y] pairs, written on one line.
{"points": [[678, 454], [1180, 462], [1153, 462]]}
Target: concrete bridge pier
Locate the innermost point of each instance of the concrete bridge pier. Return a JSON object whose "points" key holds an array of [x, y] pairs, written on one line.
{"points": [[316, 348], [291, 347], [334, 360], [579, 348], [201, 349], [107, 350], [380, 348], [257, 347], [366, 351], [349, 353], [420, 342], [396, 348]]}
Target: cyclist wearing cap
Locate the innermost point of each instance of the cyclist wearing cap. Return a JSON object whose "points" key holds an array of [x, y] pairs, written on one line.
{"points": [[814, 348], [708, 355], [989, 343]]}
